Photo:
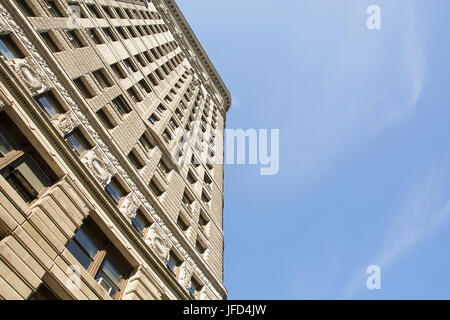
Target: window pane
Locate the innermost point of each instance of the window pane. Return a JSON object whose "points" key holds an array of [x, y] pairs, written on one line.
{"points": [[192, 292], [5, 147], [146, 143], [140, 223], [171, 265], [112, 272], [49, 41], [9, 48], [115, 190], [27, 178], [90, 245], [101, 78], [79, 254], [75, 143], [34, 174], [49, 104], [21, 186], [78, 142]]}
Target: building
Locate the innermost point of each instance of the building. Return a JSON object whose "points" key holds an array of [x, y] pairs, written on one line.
{"points": [[100, 195]]}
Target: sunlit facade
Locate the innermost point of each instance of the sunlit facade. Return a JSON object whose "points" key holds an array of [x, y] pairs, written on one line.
{"points": [[97, 198]]}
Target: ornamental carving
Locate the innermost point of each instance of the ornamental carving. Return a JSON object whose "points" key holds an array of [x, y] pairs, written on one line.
{"points": [[4, 28], [27, 72], [185, 276], [158, 241], [65, 123], [98, 167], [129, 206]]}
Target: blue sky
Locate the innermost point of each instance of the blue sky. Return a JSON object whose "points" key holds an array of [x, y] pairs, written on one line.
{"points": [[364, 146]]}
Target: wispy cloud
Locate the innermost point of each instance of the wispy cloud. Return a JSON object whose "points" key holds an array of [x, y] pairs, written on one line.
{"points": [[364, 96], [424, 210], [415, 72]]}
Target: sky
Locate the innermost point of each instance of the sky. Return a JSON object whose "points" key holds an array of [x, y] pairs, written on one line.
{"points": [[364, 146]]}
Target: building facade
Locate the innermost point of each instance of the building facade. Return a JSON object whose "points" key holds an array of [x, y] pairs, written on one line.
{"points": [[111, 149]]}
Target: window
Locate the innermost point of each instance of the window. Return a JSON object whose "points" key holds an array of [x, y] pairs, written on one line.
{"points": [[100, 258], [203, 222], [173, 124], [195, 162], [153, 80], [74, 39], [25, 7], [53, 8], [141, 31], [183, 225], [105, 118], [161, 108], [94, 36], [102, 79], [27, 178], [190, 177], [134, 95], [120, 13], [50, 42], [122, 33], [49, 104], [5, 146], [78, 142], [209, 165], [141, 60], [153, 119], [200, 248], [144, 86], [187, 200], [207, 180], [159, 74], [108, 12], [146, 144], [174, 264], [9, 48], [164, 167], [128, 12], [115, 190], [84, 87], [132, 32], [94, 11], [140, 222], [137, 162], [156, 188], [167, 136], [118, 70], [121, 105], [205, 198], [178, 113], [195, 289], [109, 34], [130, 66], [20, 164], [43, 293]]}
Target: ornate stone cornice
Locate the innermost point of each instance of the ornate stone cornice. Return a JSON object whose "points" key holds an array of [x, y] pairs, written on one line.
{"points": [[199, 51]]}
